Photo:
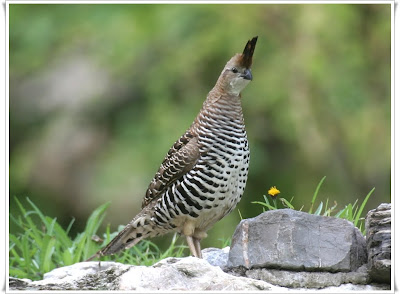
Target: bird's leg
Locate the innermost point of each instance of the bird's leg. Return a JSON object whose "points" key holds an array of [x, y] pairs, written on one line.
{"points": [[197, 247], [192, 247], [197, 237], [188, 230]]}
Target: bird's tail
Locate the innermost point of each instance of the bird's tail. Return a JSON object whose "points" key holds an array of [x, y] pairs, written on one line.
{"points": [[138, 229]]}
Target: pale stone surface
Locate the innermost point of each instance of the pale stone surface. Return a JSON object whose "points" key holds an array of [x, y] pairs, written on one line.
{"points": [[294, 240], [81, 276], [378, 228], [186, 274], [181, 274], [68, 274]]}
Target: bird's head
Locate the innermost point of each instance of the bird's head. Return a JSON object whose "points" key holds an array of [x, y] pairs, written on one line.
{"points": [[237, 73]]}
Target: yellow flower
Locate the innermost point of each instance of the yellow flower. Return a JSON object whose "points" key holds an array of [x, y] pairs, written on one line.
{"points": [[273, 191]]}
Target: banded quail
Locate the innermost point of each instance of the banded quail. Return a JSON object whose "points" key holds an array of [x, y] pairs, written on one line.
{"points": [[204, 174]]}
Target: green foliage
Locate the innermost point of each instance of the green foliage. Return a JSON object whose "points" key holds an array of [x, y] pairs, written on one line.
{"points": [[315, 195], [352, 212], [39, 249]]}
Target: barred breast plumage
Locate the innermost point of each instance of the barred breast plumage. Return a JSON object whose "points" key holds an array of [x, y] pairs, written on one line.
{"points": [[204, 174]]}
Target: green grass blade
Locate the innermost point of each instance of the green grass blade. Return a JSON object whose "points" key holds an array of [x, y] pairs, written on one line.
{"points": [[264, 204], [51, 223], [316, 194], [240, 215], [17, 222], [171, 249], [28, 224], [45, 220], [92, 225], [319, 209], [78, 246], [16, 257], [286, 203], [31, 224], [18, 273], [14, 241], [46, 254], [62, 236], [350, 213], [225, 242], [47, 262], [70, 226], [95, 218], [347, 212], [67, 257], [361, 229], [327, 210], [27, 252], [340, 213], [107, 236], [360, 210], [355, 209]]}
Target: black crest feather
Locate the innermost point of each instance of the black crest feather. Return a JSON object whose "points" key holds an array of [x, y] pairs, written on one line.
{"points": [[247, 55]]}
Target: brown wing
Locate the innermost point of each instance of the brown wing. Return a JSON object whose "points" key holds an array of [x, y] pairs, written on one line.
{"points": [[179, 160]]}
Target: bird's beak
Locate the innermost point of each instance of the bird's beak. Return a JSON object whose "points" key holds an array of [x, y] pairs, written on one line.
{"points": [[247, 75]]}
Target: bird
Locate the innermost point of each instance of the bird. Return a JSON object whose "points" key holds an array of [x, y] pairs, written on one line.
{"points": [[203, 176]]}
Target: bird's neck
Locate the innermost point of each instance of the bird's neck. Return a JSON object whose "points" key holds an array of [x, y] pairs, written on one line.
{"points": [[221, 109], [218, 95]]}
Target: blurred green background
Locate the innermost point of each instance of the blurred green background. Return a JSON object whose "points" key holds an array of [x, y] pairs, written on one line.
{"points": [[99, 92]]}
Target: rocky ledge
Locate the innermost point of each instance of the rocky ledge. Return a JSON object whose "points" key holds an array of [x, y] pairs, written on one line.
{"points": [[277, 250]]}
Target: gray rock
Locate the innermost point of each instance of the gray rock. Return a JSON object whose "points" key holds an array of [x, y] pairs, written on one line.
{"points": [[313, 280], [294, 240], [216, 256], [378, 228], [185, 274]]}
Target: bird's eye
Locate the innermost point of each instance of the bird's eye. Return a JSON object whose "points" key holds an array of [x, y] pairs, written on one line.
{"points": [[235, 70]]}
